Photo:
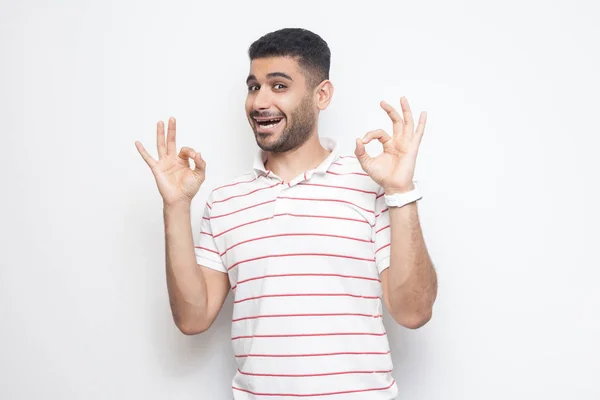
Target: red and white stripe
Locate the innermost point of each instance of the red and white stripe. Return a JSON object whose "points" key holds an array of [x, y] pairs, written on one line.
{"points": [[303, 259]]}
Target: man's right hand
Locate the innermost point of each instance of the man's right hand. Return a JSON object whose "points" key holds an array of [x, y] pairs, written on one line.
{"points": [[177, 182]]}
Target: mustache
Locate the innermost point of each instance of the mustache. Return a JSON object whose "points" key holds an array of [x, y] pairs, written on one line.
{"points": [[256, 114]]}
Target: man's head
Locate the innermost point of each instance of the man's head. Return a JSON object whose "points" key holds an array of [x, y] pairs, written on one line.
{"points": [[288, 85]]}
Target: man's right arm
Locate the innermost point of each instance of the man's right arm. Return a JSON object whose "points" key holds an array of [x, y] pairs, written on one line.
{"points": [[196, 293]]}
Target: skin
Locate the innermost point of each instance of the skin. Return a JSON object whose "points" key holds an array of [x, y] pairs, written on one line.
{"points": [[196, 293], [277, 87], [410, 283]]}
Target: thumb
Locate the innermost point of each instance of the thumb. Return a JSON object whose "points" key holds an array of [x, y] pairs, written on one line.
{"points": [[199, 163], [361, 154]]}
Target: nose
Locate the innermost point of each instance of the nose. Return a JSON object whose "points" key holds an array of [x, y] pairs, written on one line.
{"points": [[262, 99]]}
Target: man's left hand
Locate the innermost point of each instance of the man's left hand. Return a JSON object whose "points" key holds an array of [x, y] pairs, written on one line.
{"points": [[394, 168]]}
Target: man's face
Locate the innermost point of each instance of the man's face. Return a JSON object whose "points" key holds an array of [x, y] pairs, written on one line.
{"points": [[279, 106]]}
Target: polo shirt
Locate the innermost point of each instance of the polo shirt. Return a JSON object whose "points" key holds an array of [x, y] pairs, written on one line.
{"points": [[303, 258]]}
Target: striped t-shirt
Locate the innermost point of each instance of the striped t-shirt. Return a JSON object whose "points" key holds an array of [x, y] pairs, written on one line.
{"points": [[303, 259]]}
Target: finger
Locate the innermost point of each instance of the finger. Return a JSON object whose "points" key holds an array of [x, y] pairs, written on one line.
{"points": [[361, 154], [160, 139], [186, 153], [394, 116], [421, 126], [171, 147], [378, 134], [407, 113], [145, 155]]}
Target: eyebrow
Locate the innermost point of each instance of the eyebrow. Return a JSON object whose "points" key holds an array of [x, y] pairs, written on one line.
{"points": [[271, 75]]}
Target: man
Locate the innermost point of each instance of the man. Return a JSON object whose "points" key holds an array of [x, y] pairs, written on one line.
{"points": [[309, 241]]}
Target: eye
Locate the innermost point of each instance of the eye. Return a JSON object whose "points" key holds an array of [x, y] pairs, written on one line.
{"points": [[279, 86], [252, 88]]}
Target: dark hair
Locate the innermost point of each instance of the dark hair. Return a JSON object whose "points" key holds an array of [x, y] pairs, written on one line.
{"points": [[310, 50]]}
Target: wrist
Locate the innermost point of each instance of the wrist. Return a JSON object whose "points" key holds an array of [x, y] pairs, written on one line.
{"points": [[398, 189], [400, 195], [182, 205]]}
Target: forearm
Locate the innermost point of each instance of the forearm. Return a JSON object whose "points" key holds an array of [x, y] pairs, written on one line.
{"points": [[412, 280], [185, 281]]}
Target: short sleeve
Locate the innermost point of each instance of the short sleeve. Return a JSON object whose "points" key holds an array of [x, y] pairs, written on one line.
{"points": [[382, 236], [207, 253]]}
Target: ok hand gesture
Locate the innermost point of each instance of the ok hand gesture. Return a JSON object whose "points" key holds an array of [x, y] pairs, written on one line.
{"points": [[394, 168], [177, 182]]}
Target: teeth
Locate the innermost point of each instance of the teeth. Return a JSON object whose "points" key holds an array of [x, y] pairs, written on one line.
{"points": [[271, 125]]}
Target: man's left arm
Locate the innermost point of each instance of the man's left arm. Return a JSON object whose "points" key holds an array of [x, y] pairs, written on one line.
{"points": [[409, 281]]}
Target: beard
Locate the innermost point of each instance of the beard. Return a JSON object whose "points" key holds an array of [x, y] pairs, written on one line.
{"points": [[297, 130]]}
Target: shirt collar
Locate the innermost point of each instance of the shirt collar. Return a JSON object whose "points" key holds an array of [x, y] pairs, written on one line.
{"points": [[327, 142]]}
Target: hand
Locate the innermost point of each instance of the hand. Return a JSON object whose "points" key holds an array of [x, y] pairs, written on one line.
{"points": [[394, 168], [176, 180]]}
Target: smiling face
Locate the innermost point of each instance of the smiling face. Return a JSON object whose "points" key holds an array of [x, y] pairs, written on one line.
{"points": [[281, 109]]}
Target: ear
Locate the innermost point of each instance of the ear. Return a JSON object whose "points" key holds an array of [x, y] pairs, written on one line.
{"points": [[323, 94]]}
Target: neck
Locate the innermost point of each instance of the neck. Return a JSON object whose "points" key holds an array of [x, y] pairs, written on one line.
{"points": [[292, 163]]}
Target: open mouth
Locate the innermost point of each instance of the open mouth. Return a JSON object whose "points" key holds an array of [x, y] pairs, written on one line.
{"points": [[267, 124]]}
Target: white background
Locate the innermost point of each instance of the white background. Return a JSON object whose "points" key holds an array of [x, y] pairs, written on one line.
{"points": [[508, 165]]}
